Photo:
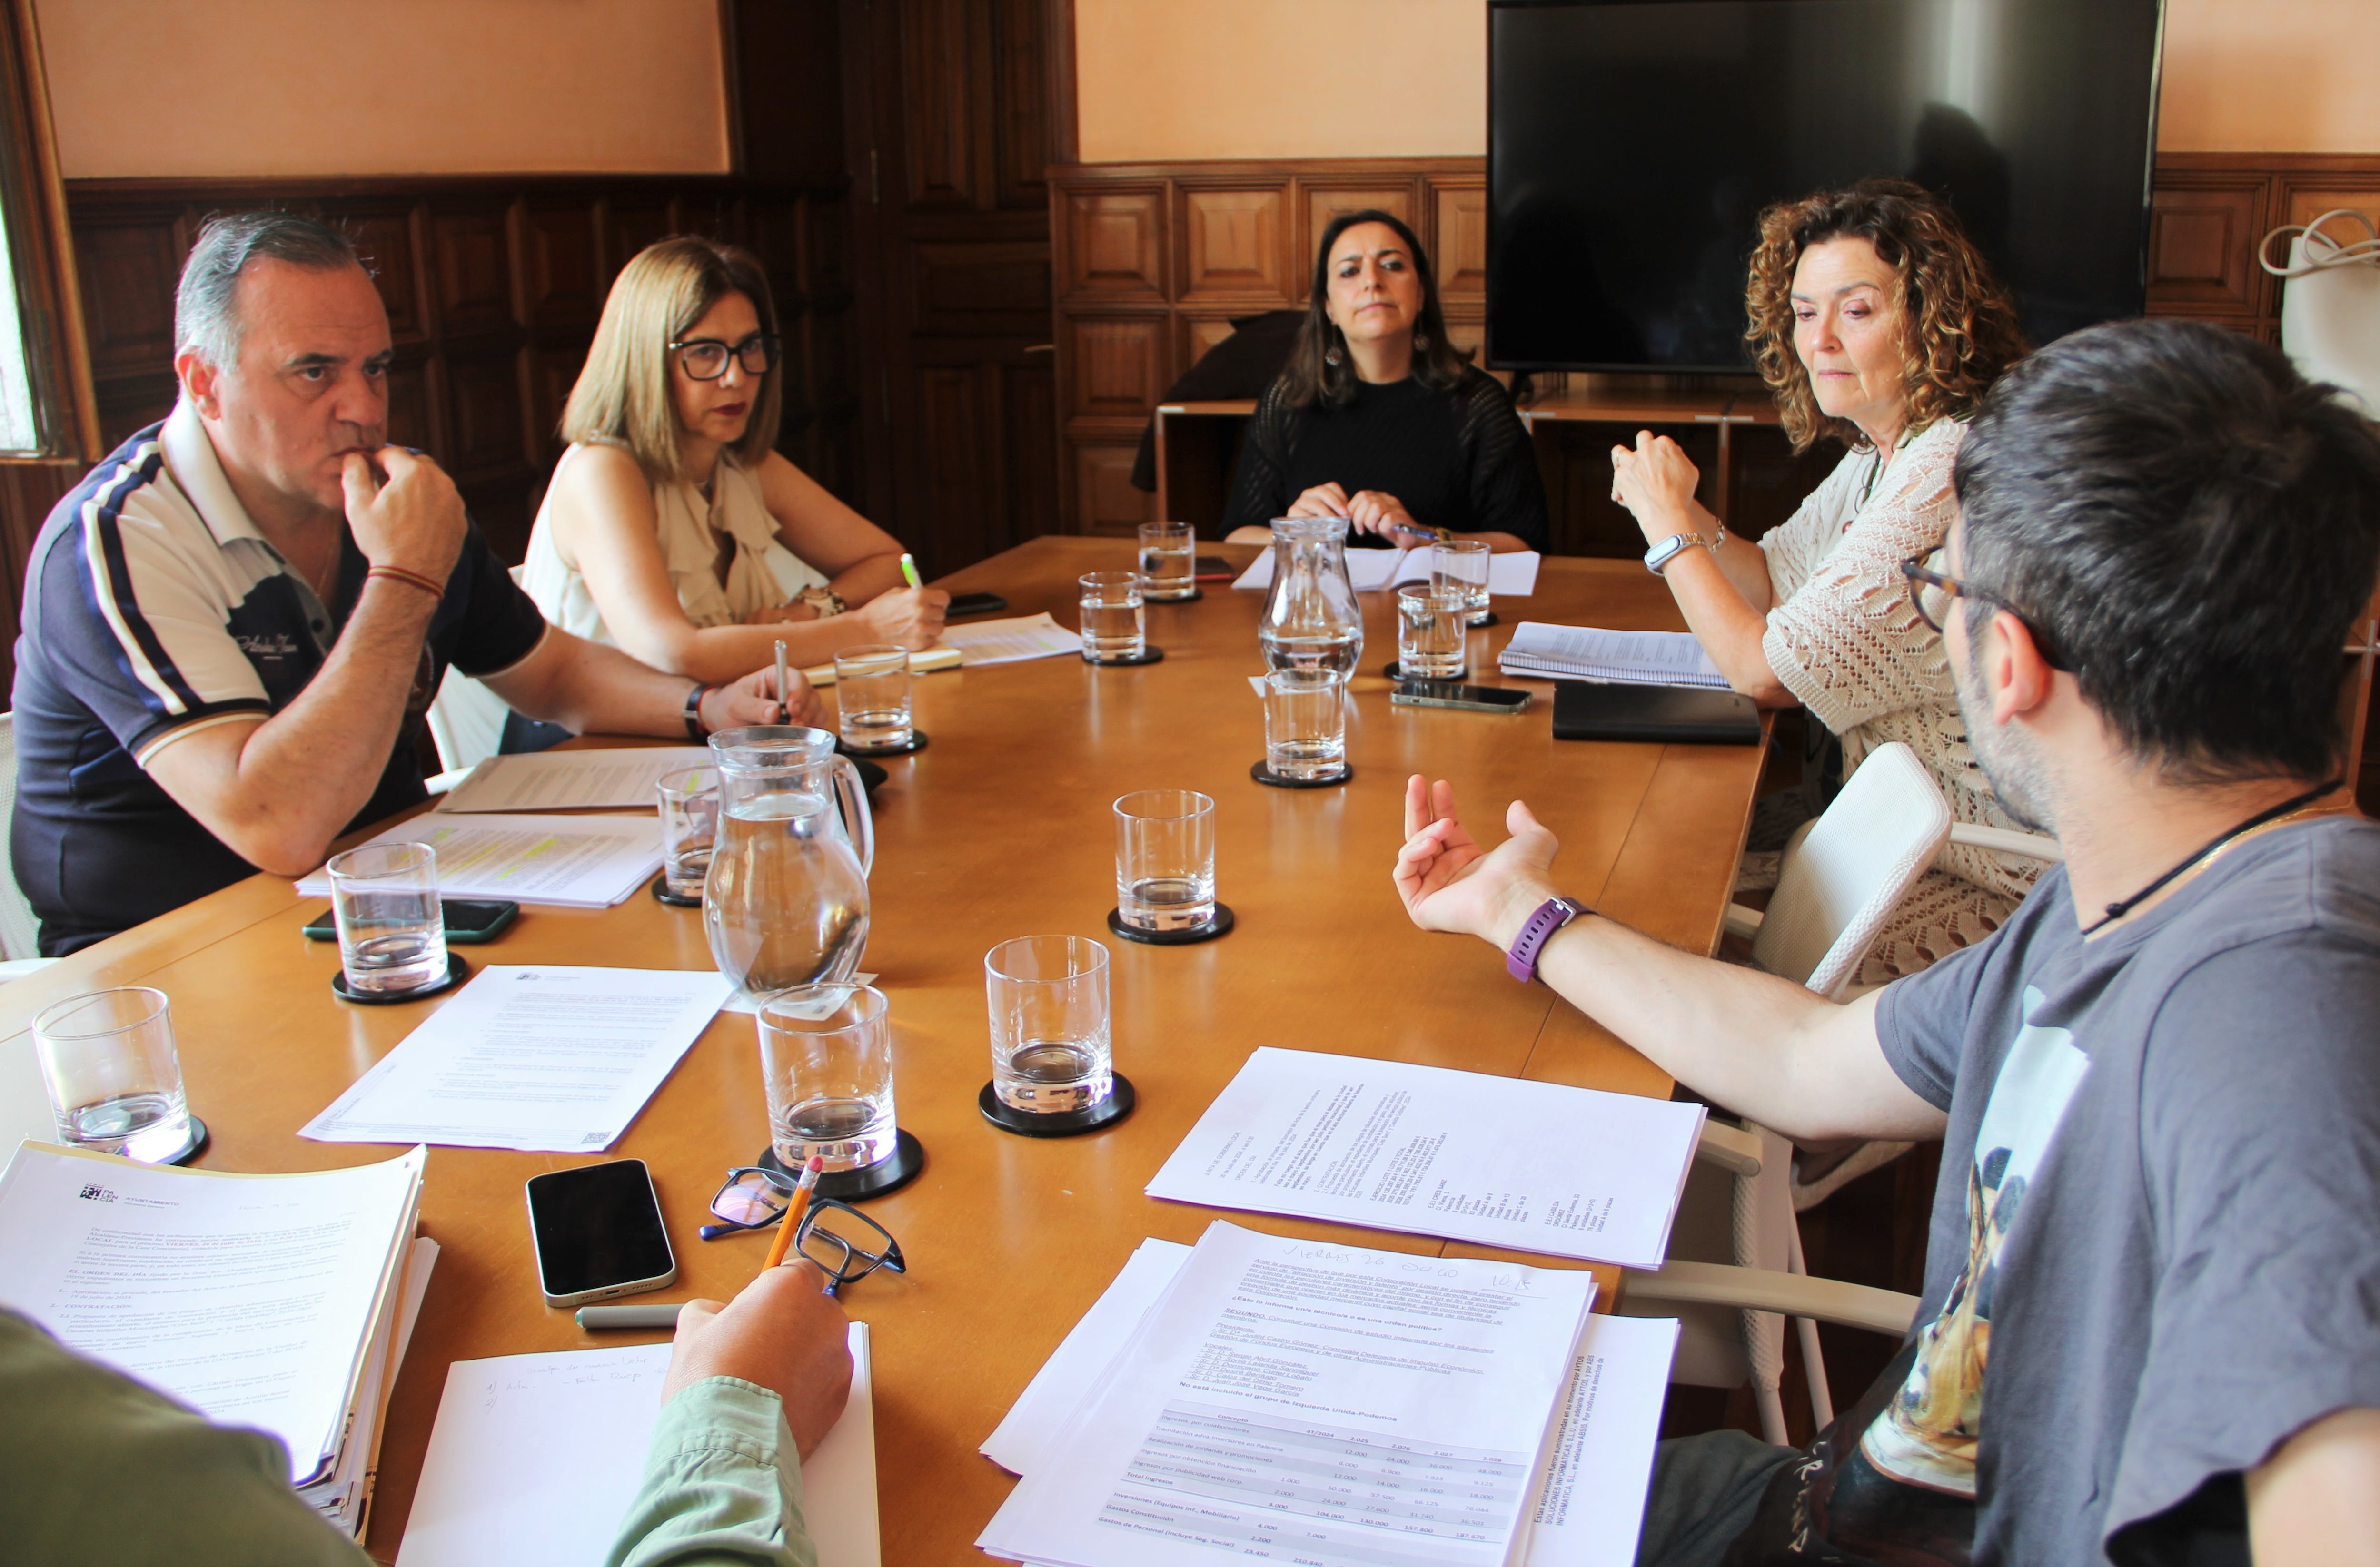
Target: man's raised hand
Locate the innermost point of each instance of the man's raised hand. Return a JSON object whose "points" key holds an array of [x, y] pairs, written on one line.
{"points": [[414, 522], [1449, 883]]}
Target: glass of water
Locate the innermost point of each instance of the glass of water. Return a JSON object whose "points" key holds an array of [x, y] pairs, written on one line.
{"points": [[114, 1080], [871, 696], [1049, 1049], [392, 932], [1114, 624], [1166, 563], [826, 1060], [1165, 860], [1306, 724], [1462, 562], [689, 799], [1430, 623]]}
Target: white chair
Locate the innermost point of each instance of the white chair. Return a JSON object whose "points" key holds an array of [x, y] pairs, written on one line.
{"points": [[20, 931], [467, 721]]}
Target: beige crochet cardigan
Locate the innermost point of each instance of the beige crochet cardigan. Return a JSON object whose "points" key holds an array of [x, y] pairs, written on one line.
{"points": [[1846, 641]]}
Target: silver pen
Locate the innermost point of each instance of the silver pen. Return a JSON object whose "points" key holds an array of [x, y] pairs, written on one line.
{"points": [[784, 703], [627, 1316]]}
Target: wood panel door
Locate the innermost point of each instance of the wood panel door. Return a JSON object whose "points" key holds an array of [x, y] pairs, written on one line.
{"points": [[951, 105]]}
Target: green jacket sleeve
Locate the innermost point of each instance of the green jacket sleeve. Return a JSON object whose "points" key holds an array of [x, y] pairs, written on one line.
{"points": [[722, 1485], [100, 1469]]}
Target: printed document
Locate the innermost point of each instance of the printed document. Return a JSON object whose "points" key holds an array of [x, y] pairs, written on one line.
{"points": [[1006, 642], [553, 1060], [1570, 1172], [1614, 657], [575, 862], [534, 1458], [1598, 1454], [253, 1299], [1514, 575], [1307, 1401], [619, 779]]}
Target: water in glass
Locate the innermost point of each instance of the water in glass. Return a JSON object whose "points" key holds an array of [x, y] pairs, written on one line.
{"points": [[1054, 1076], [1165, 858], [1306, 724], [872, 698], [826, 1059], [1167, 566], [1311, 618], [1429, 631], [785, 902], [1048, 1004]]}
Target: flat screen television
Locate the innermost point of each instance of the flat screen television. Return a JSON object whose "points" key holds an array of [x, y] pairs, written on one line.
{"points": [[1632, 143]]}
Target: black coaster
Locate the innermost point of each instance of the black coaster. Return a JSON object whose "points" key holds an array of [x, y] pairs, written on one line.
{"points": [[903, 1165], [1395, 671], [1219, 925], [195, 1141], [1147, 655], [1265, 774], [916, 742], [662, 893], [1072, 1123], [1488, 620], [456, 972], [1192, 597]]}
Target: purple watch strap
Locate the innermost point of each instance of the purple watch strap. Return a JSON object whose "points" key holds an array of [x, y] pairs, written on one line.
{"points": [[1551, 915]]}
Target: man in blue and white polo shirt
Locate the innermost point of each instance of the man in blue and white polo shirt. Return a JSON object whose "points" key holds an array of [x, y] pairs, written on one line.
{"points": [[234, 626]]}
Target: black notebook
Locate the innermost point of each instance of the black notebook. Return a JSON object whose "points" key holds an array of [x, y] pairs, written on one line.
{"points": [[1669, 714]]}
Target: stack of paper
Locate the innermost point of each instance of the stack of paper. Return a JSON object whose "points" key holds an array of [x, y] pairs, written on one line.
{"points": [[1585, 653], [1006, 642], [281, 1302], [535, 1456], [574, 862], [620, 780], [1512, 577], [1312, 1403], [1570, 1172], [1599, 1457], [554, 1060]]}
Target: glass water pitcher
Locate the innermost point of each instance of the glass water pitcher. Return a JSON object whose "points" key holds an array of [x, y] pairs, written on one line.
{"points": [[1311, 617], [786, 900]]}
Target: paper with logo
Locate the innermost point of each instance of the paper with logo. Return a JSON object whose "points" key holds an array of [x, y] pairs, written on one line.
{"points": [[1570, 1172], [555, 1060]]}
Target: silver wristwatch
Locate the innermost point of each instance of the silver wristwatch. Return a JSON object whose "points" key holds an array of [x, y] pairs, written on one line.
{"points": [[1658, 558], [825, 600]]}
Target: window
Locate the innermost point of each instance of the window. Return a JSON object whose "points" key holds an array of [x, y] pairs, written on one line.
{"points": [[46, 406]]}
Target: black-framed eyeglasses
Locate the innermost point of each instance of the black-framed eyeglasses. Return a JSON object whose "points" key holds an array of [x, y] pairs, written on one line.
{"points": [[1932, 592], [845, 1243], [705, 358]]}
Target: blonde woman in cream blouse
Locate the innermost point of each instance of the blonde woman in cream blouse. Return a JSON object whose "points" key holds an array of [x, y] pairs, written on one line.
{"points": [[1875, 322], [671, 528]]}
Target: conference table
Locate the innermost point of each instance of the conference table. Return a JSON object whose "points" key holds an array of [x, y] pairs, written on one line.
{"points": [[1002, 827]]}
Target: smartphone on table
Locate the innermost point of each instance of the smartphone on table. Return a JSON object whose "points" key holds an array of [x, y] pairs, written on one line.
{"points": [[1211, 568], [469, 920], [974, 604], [598, 1233], [1466, 698]]}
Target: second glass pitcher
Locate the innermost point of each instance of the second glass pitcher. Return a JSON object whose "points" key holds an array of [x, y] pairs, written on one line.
{"points": [[786, 900], [1311, 617]]}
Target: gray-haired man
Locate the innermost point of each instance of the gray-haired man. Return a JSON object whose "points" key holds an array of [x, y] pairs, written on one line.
{"points": [[234, 624]]}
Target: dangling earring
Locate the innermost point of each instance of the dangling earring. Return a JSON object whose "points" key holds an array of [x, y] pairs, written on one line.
{"points": [[1332, 357], [1421, 343]]}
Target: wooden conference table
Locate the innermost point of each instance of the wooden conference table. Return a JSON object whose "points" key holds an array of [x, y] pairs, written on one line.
{"points": [[1002, 827]]}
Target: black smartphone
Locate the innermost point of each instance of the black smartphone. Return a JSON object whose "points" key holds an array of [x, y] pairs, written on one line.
{"points": [[1469, 698], [598, 1233], [1211, 568], [974, 604], [469, 920]]}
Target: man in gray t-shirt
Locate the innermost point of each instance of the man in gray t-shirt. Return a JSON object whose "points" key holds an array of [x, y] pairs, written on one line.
{"points": [[2151, 1325]]}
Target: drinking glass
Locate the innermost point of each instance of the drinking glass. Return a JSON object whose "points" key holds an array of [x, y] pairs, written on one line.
{"points": [[1430, 622], [826, 1060], [1306, 724], [1048, 997], [689, 799], [392, 932], [871, 696], [1166, 566], [1114, 624], [1462, 562], [1165, 860], [113, 1080]]}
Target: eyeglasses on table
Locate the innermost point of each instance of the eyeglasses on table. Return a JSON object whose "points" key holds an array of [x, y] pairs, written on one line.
{"points": [[845, 1243]]}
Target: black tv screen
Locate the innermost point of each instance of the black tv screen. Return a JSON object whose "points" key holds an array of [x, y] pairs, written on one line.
{"points": [[1632, 143]]}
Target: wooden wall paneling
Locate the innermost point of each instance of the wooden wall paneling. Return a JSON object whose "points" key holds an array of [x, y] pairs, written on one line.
{"points": [[1457, 241], [28, 493], [1023, 145], [1110, 244], [979, 286], [1120, 365], [1105, 501], [939, 94], [129, 264], [1233, 246], [472, 276], [2202, 235], [1198, 334], [629, 226], [389, 238], [560, 279]]}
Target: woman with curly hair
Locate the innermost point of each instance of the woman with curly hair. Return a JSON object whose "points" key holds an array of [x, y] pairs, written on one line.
{"points": [[1379, 418], [1873, 320]]}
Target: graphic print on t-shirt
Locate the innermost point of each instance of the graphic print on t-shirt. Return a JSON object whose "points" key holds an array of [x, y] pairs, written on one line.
{"points": [[1927, 1436]]}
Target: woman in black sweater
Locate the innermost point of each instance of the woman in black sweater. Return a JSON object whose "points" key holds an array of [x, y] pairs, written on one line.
{"points": [[1379, 418]]}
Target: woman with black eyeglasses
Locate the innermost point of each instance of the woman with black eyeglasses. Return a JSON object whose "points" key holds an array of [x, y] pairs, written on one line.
{"points": [[672, 529]]}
